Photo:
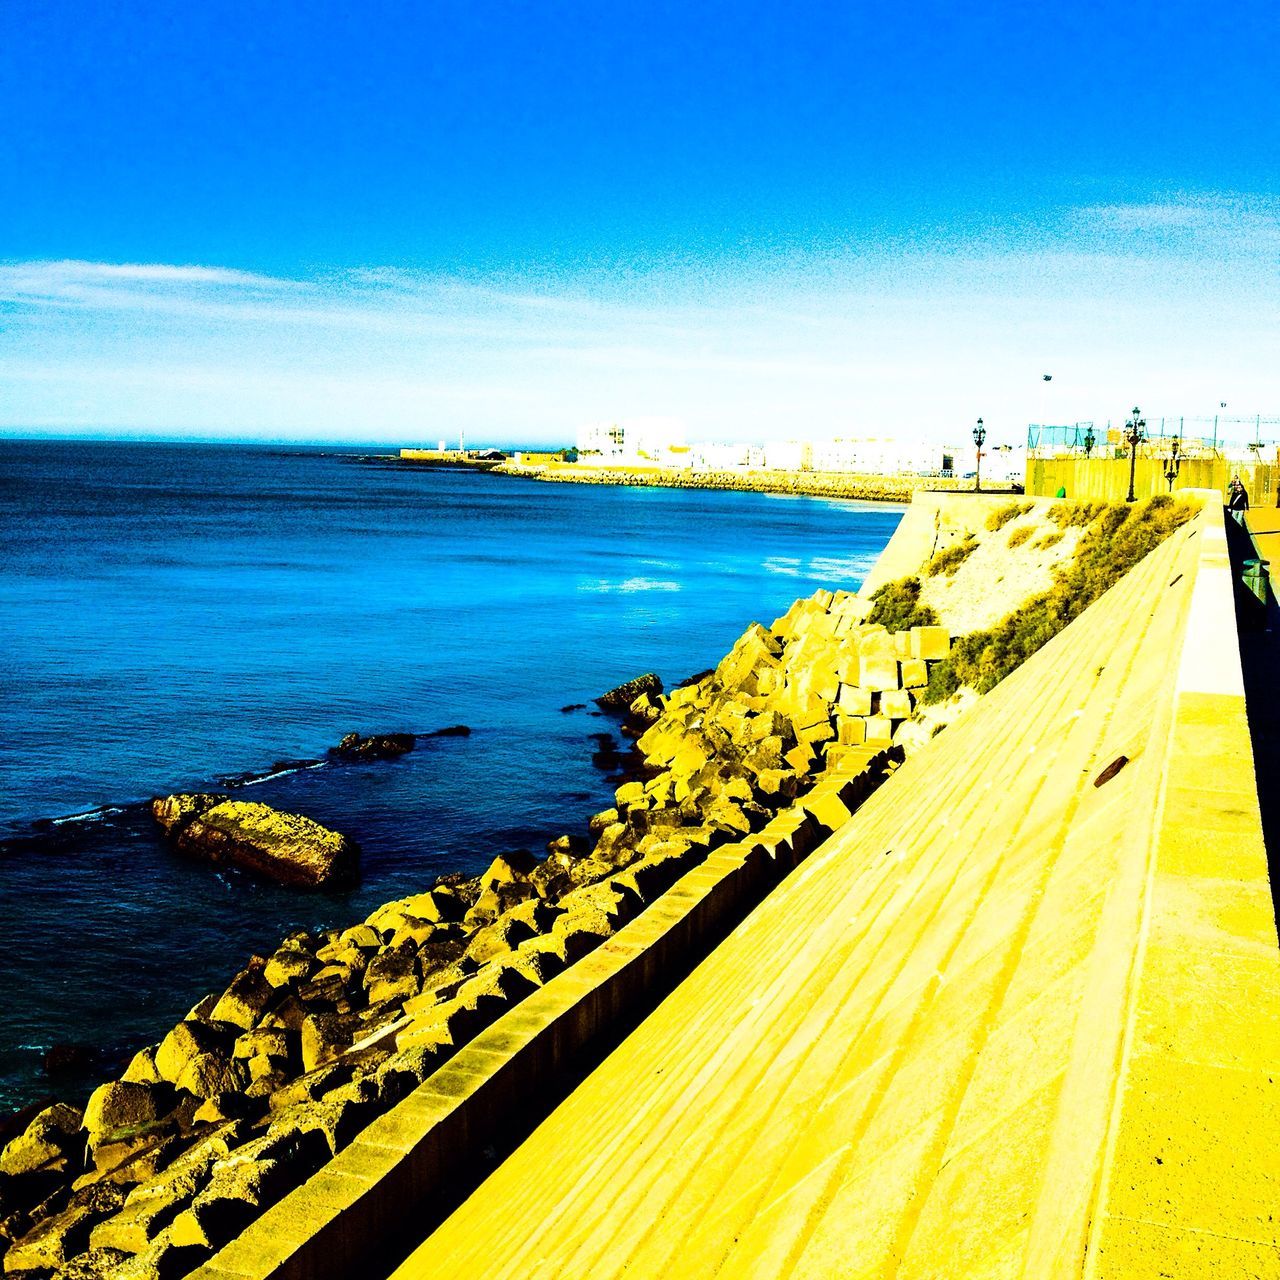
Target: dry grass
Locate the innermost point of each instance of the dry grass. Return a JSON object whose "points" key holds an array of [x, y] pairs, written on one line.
{"points": [[1117, 536], [1019, 535], [948, 561], [1001, 517]]}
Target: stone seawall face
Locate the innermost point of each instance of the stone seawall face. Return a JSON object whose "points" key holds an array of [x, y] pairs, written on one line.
{"points": [[1020, 1016]]}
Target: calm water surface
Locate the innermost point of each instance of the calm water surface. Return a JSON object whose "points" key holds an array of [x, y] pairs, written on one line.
{"points": [[170, 614]]}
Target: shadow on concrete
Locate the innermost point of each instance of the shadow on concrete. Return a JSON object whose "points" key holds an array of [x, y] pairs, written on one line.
{"points": [[1259, 631]]}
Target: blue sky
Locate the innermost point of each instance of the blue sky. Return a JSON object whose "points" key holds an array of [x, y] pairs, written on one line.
{"points": [[398, 221]]}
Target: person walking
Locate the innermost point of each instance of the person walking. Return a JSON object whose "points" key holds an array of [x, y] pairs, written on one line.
{"points": [[1237, 500]]}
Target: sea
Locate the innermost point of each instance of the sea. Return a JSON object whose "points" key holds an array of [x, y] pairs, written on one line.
{"points": [[174, 617]]}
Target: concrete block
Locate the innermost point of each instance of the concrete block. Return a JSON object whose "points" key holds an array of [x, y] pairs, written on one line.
{"points": [[879, 730], [880, 671], [915, 673], [851, 732], [897, 704], [930, 643], [876, 640], [848, 664], [853, 700]]}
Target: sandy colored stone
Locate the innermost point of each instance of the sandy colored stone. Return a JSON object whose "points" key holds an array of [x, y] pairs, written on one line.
{"points": [[930, 643], [285, 847]]}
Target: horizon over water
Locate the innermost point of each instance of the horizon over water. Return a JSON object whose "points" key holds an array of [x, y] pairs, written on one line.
{"points": [[173, 614]]}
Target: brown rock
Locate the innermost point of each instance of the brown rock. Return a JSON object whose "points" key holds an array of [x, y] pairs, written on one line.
{"points": [[174, 812], [56, 1239], [197, 1057], [620, 698], [124, 1105], [392, 975], [285, 847], [379, 746], [51, 1135], [244, 1002]]}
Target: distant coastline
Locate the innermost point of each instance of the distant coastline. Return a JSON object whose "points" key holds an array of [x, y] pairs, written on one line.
{"points": [[818, 484]]}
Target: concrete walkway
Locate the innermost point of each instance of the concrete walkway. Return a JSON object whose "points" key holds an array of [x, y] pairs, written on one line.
{"points": [[1020, 1017]]}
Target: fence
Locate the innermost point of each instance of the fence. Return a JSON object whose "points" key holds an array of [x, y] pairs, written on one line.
{"points": [[1202, 436]]}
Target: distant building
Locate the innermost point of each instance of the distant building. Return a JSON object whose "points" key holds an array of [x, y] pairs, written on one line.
{"points": [[642, 441], [789, 455], [726, 457], [881, 455]]}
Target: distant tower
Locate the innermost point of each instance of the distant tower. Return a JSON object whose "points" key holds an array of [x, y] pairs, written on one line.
{"points": [[443, 444], [462, 442]]}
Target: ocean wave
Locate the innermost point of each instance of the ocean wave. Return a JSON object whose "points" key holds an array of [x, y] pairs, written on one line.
{"points": [[89, 815], [254, 779], [784, 565], [628, 586]]}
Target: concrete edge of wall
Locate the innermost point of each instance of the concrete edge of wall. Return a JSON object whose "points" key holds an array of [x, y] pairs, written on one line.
{"points": [[395, 1179], [1203, 1176]]}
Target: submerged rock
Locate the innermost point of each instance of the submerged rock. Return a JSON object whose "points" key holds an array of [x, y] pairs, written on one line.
{"points": [[378, 746], [621, 698], [285, 847]]}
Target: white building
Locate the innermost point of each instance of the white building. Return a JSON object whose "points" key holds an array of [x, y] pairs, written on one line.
{"points": [[880, 455], [789, 455], [726, 457], [645, 441]]}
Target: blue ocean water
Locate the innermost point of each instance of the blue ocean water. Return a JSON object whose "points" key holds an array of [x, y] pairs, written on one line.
{"points": [[172, 614]]}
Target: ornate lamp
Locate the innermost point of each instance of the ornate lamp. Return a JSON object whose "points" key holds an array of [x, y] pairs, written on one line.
{"points": [[1134, 432], [1172, 463]]}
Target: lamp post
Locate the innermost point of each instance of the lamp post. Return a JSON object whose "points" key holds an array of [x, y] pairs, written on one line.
{"points": [[1134, 430], [979, 438], [1089, 441], [1172, 463]]}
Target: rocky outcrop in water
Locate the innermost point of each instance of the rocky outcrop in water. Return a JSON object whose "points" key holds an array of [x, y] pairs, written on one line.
{"points": [[624, 695], [453, 731], [284, 847], [378, 746]]}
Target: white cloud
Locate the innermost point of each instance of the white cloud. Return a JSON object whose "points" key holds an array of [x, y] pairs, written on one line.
{"points": [[1170, 304]]}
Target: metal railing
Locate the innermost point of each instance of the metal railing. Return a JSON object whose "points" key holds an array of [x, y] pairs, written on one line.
{"points": [[1205, 436]]}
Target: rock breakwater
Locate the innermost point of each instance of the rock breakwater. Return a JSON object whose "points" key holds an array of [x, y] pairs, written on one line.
{"points": [[264, 1080], [820, 484]]}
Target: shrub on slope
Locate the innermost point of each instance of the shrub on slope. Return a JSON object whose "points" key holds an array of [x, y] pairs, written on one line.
{"points": [[1118, 536]]}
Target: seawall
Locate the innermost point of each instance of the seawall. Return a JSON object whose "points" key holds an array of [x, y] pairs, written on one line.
{"points": [[1020, 1015]]}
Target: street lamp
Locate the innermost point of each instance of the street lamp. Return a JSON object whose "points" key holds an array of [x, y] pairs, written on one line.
{"points": [[1172, 463], [979, 437], [1134, 433], [1089, 441]]}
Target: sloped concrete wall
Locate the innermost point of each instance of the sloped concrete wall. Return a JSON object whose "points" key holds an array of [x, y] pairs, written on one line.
{"points": [[1020, 1017]]}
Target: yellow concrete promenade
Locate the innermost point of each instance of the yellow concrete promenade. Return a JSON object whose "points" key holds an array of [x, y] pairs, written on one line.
{"points": [[1006, 1023]]}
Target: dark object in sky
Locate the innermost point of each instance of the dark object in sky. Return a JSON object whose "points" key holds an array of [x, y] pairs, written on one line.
{"points": [[1048, 377]]}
